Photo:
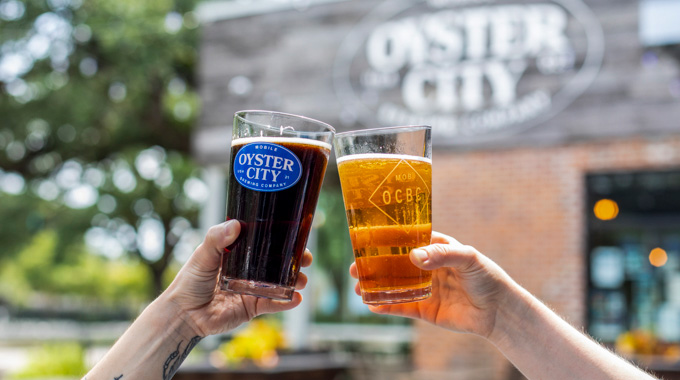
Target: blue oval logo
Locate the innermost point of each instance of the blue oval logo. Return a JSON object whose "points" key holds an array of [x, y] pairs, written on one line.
{"points": [[268, 167]]}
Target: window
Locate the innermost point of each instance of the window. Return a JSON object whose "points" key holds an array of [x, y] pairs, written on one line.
{"points": [[633, 253], [659, 22]]}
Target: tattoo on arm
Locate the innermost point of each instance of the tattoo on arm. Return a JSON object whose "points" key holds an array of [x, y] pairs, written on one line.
{"points": [[118, 378], [173, 361]]}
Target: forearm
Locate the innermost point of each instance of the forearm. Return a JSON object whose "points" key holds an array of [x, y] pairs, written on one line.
{"points": [[153, 347], [544, 346]]}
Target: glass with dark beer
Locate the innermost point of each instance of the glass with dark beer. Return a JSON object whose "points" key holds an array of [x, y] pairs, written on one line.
{"points": [[386, 179], [277, 167]]}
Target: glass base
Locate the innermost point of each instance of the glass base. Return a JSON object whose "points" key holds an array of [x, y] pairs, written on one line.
{"points": [[396, 296], [258, 289]]}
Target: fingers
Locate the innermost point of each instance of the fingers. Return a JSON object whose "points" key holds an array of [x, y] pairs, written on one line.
{"points": [[274, 306], [353, 270], [440, 255], [396, 309], [306, 259], [268, 306], [301, 281]]}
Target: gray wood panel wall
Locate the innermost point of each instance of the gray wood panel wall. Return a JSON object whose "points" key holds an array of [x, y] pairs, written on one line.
{"points": [[284, 61]]}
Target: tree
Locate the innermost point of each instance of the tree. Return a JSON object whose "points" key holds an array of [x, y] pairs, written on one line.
{"points": [[97, 101], [337, 249]]}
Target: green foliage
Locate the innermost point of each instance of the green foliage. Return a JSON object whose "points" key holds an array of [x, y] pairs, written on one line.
{"points": [[333, 234], [132, 60], [101, 281], [115, 81], [19, 220], [335, 254], [65, 359]]}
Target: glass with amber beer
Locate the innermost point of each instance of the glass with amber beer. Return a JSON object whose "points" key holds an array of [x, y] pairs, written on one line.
{"points": [[386, 179], [277, 167]]}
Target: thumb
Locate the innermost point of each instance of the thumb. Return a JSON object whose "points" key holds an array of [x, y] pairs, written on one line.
{"points": [[436, 256], [209, 254]]}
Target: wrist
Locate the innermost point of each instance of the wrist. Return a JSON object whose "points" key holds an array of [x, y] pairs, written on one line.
{"points": [[147, 345], [173, 317], [513, 316]]}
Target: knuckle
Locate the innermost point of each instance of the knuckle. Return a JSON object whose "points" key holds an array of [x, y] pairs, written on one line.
{"points": [[471, 255], [468, 249], [439, 253]]}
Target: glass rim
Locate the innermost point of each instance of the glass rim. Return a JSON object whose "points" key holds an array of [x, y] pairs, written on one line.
{"points": [[241, 116], [368, 131]]}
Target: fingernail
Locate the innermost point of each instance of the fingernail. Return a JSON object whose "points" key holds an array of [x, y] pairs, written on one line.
{"points": [[231, 227], [420, 255]]}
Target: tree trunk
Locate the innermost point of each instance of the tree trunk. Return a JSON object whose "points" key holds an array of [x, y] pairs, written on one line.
{"points": [[157, 279], [340, 285], [158, 268]]}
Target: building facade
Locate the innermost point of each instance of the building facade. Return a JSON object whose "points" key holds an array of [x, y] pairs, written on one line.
{"points": [[539, 110]]}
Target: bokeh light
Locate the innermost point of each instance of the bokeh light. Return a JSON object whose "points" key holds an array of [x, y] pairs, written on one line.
{"points": [[658, 257], [606, 209]]}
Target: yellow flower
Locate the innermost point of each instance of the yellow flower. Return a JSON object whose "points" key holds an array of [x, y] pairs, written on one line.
{"points": [[257, 342]]}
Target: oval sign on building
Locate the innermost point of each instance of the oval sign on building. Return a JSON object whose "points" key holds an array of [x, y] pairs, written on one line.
{"points": [[474, 70]]}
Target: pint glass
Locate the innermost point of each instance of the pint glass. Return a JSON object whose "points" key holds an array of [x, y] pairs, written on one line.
{"points": [[386, 179], [277, 167]]}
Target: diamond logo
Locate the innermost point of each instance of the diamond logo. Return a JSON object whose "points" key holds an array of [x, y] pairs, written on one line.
{"points": [[403, 196]]}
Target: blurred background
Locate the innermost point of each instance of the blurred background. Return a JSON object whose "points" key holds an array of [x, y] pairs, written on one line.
{"points": [[556, 127]]}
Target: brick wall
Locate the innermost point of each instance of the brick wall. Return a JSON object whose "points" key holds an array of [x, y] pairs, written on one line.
{"points": [[524, 208]]}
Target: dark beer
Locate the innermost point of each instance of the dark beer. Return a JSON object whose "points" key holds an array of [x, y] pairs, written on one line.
{"points": [[275, 223]]}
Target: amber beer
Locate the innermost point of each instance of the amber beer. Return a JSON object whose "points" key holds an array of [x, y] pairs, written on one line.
{"points": [[274, 185], [389, 211]]}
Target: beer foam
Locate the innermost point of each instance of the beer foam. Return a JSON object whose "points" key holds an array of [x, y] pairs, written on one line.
{"points": [[383, 156], [279, 140]]}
